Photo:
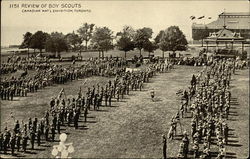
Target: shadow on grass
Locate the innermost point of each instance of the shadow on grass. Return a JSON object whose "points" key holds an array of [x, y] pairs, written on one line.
{"points": [[233, 114], [230, 155], [123, 101], [233, 99], [234, 145], [144, 90], [126, 98], [82, 128], [157, 100], [102, 110], [232, 119], [45, 146], [234, 103], [112, 106], [30, 152], [131, 94], [37, 149], [90, 117], [233, 141], [19, 155], [14, 100], [81, 121], [232, 136], [91, 122]]}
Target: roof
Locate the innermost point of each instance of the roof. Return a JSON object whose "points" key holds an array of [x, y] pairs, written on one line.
{"points": [[225, 35], [235, 13], [230, 22]]}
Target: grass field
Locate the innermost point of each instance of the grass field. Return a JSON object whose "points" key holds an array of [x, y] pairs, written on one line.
{"points": [[132, 128]]}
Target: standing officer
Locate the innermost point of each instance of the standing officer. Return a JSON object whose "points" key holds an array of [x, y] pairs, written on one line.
{"points": [[85, 114], [110, 97], [18, 141], [58, 125], [186, 144], [83, 102], [25, 141], [1, 141], [47, 133], [38, 135], [32, 139], [164, 147], [76, 117], [17, 127], [12, 144], [53, 132]]}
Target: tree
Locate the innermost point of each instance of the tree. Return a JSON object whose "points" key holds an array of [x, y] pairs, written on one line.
{"points": [[163, 45], [157, 41], [173, 39], [125, 44], [38, 40], [102, 39], [141, 37], [159, 36], [200, 34], [149, 47], [73, 40], [85, 32], [128, 31], [26, 41], [56, 43]]}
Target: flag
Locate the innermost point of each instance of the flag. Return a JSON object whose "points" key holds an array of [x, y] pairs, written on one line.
{"points": [[201, 17], [192, 17], [61, 92], [84, 81]]}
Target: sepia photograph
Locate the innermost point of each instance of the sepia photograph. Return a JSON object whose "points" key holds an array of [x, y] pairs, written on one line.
{"points": [[163, 79]]}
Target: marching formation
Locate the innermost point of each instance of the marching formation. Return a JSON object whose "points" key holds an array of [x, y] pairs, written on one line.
{"points": [[65, 111], [47, 74], [208, 101]]}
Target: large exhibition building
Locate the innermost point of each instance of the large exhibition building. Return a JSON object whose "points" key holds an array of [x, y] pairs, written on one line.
{"points": [[235, 22]]}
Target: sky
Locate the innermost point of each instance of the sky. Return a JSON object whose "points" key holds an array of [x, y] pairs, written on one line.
{"points": [[157, 15]]}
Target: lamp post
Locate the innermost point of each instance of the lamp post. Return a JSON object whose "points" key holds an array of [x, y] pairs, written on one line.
{"points": [[63, 148]]}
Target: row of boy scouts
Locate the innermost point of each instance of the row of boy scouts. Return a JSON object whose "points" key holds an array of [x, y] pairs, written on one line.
{"points": [[57, 74], [15, 63], [208, 102], [67, 111]]}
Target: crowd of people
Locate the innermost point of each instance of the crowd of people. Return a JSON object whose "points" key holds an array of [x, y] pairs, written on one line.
{"points": [[206, 61], [65, 111], [15, 63], [49, 74], [208, 101]]}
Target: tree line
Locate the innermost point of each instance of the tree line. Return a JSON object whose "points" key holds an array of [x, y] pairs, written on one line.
{"points": [[90, 37]]}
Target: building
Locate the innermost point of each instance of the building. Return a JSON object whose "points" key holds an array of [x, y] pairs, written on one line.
{"points": [[235, 22]]}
